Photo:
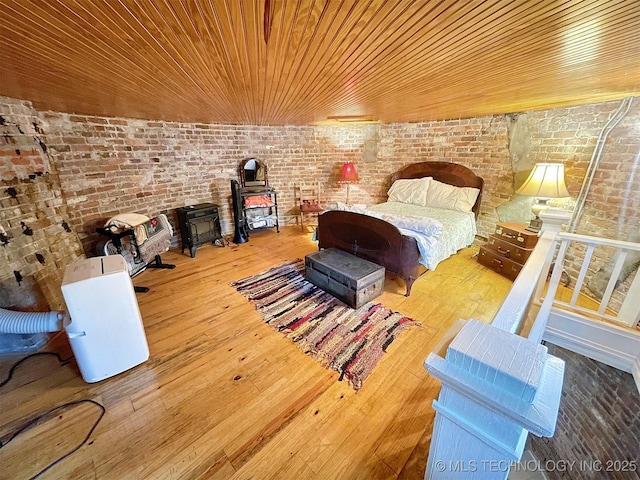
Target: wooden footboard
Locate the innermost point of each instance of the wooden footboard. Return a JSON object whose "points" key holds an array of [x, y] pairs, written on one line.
{"points": [[372, 239]]}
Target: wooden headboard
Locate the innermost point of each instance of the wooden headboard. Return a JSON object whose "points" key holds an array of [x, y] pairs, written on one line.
{"points": [[445, 172]]}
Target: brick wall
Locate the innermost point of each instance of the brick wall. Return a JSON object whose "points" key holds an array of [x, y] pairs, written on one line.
{"points": [[107, 165], [612, 207], [36, 239], [158, 166], [569, 135], [599, 420]]}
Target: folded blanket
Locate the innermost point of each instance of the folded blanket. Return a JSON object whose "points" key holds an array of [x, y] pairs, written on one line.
{"points": [[140, 232], [157, 233], [258, 201], [125, 221]]}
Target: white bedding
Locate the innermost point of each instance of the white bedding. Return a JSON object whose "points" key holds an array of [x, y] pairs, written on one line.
{"points": [[439, 232]]}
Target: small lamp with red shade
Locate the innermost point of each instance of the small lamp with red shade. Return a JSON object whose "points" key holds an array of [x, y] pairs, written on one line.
{"points": [[348, 175]]}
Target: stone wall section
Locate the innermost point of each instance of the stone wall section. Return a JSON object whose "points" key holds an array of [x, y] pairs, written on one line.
{"points": [[36, 238]]}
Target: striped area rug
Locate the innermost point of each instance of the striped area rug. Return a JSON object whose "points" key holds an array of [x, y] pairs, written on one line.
{"points": [[349, 341]]}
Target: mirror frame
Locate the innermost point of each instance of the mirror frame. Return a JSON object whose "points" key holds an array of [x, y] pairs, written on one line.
{"points": [[253, 183]]}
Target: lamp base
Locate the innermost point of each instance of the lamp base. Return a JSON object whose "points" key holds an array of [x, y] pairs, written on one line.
{"points": [[535, 225], [539, 206]]}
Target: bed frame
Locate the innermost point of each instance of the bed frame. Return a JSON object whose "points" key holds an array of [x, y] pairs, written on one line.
{"points": [[379, 241]]}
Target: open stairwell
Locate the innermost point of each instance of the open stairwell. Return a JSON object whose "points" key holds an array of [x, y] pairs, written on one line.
{"points": [[499, 383]]}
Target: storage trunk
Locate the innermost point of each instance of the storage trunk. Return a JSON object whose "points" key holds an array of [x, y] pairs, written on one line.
{"points": [[516, 234], [353, 280], [498, 263], [508, 249]]}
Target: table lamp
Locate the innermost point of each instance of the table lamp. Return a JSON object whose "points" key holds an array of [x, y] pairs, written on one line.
{"points": [[348, 175], [546, 181]]}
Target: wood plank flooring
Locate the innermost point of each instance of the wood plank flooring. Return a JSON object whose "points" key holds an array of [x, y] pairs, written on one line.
{"points": [[224, 396]]}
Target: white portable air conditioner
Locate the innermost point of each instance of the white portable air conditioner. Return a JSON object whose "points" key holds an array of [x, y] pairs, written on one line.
{"points": [[106, 332]]}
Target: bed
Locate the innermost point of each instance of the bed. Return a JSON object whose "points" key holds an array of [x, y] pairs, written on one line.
{"points": [[371, 236]]}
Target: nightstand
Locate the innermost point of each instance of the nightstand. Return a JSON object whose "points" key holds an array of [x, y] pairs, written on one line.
{"points": [[508, 249]]}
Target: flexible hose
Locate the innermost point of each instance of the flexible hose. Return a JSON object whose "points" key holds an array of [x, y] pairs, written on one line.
{"points": [[29, 322]]}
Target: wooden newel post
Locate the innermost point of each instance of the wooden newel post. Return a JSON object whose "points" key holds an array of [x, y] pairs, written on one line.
{"points": [[496, 388]]}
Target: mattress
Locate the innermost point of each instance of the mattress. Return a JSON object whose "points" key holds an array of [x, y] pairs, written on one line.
{"points": [[458, 229]]}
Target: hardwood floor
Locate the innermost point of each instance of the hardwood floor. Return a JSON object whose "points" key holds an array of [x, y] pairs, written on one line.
{"points": [[224, 396]]}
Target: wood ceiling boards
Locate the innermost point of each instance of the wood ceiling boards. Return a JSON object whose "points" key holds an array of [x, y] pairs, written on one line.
{"points": [[302, 61]]}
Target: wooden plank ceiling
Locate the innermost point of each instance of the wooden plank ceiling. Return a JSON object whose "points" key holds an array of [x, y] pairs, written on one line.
{"points": [[278, 62]]}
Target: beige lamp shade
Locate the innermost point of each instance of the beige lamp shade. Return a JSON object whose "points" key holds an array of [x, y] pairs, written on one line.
{"points": [[546, 180]]}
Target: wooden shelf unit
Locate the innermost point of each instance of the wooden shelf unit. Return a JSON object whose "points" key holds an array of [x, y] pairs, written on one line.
{"points": [[259, 217]]}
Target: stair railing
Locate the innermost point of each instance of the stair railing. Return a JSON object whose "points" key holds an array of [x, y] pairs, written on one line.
{"points": [[627, 315]]}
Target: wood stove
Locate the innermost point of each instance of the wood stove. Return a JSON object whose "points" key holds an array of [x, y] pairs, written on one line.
{"points": [[199, 224]]}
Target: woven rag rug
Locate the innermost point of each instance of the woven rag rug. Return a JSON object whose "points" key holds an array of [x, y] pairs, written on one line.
{"points": [[349, 341]]}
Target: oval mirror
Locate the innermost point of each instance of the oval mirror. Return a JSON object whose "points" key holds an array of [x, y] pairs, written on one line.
{"points": [[253, 173]]}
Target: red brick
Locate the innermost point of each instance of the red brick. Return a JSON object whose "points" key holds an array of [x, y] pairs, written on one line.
{"points": [[20, 161], [169, 161]]}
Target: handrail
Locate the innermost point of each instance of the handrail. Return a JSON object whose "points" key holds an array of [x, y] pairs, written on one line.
{"points": [[596, 156], [498, 383], [497, 386], [607, 242], [516, 304], [629, 313]]}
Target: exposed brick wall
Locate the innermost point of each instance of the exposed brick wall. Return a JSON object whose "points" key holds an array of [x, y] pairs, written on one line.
{"points": [[612, 207], [158, 166], [113, 165], [599, 420], [109, 166], [569, 135], [478, 143], [36, 240]]}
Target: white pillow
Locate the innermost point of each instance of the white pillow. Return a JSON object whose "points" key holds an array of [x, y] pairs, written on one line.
{"points": [[412, 190], [442, 195]]}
